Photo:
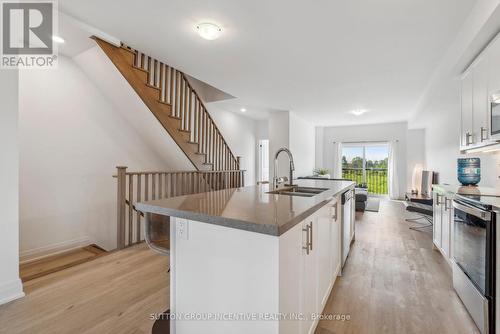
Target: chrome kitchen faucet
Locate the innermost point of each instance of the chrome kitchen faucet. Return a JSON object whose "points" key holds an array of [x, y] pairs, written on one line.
{"points": [[278, 180]]}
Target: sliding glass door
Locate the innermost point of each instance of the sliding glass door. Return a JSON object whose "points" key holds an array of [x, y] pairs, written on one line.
{"points": [[366, 164]]}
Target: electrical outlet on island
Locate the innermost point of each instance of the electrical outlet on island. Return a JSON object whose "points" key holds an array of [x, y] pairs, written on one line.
{"points": [[182, 229]]}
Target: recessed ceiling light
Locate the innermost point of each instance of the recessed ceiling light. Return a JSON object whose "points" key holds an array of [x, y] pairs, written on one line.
{"points": [[243, 110], [358, 112], [58, 39], [209, 31]]}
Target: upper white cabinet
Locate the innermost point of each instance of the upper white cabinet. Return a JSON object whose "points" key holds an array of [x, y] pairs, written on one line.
{"points": [[467, 90], [478, 83], [480, 99], [493, 53]]}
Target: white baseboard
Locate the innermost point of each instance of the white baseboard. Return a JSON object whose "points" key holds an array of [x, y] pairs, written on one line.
{"points": [[10, 291], [44, 251]]}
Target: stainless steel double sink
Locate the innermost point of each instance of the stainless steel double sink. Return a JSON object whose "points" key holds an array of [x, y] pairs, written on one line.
{"points": [[298, 191]]}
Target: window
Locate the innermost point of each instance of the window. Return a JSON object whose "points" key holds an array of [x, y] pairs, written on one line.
{"points": [[366, 164]]}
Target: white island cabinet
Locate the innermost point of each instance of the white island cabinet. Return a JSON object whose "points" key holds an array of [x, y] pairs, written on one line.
{"points": [[240, 281]]}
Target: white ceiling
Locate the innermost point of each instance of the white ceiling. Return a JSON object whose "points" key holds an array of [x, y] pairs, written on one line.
{"points": [[318, 58]]}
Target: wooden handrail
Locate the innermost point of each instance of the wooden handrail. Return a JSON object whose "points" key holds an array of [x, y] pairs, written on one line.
{"points": [[183, 171], [134, 187]]}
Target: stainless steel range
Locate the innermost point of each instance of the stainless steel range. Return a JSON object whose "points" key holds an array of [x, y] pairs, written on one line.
{"points": [[474, 255]]}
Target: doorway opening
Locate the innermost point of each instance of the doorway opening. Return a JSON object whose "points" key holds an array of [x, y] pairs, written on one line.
{"points": [[263, 161]]}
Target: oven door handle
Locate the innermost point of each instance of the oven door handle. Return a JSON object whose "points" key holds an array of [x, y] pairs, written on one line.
{"points": [[484, 215]]}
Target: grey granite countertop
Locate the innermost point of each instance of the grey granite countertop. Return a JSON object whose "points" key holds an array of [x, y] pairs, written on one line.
{"points": [[249, 208], [483, 195]]}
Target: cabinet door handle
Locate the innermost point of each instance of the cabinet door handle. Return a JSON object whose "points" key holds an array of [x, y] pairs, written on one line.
{"points": [[335, 216], [306, 247], [468, 137], [483, 130], [311, 236], [437, 199], [447, 204]]}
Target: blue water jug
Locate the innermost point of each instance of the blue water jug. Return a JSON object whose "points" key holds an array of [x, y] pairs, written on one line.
{"points": [[469, 171]]}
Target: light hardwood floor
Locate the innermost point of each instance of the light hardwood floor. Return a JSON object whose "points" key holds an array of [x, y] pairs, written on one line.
{"points": [[394, 282], [113, 294]]}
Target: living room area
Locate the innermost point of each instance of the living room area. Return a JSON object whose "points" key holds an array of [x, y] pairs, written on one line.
{"points": [[384, 160]]}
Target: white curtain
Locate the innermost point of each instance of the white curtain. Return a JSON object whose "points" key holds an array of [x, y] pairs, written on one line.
{"points": [[393, 171], [337, 161]]}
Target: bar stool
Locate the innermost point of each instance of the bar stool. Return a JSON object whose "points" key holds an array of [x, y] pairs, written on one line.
{"points": [[157, 236]]}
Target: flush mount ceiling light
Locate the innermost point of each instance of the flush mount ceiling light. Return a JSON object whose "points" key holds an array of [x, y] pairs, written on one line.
{"points": [[58, 39], [358, 112], [243, 110], [209, 31]]}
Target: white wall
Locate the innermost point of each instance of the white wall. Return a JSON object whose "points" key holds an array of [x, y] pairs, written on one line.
{"points": [[10, 284], [415, 153], [71, 139], [439, 107], [279, 123], [286, 129], [376, 132], [242, 135], [319, 147], [302, 145]]}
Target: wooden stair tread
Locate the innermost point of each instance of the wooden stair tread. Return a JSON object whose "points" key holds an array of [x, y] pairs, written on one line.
{"points": [[154, 87], [186, 131], [163, 102], [139, 69]]}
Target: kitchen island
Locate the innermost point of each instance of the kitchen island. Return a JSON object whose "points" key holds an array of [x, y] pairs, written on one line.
{"points": [[246, 261]]}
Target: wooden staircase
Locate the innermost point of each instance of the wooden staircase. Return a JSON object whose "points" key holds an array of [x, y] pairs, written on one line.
{"points": [[170, 97]]}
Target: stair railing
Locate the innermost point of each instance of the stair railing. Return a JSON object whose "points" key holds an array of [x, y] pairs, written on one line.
{"points": [[135, 187], [186, 105]]}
